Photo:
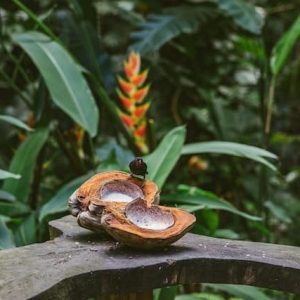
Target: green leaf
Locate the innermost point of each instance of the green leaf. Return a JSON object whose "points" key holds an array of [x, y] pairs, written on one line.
{"points": [[159, 29], [235, 149], [59, 203], [23, 163], [166, 293], [5, 218], [283, 47], [15, 122], [13, 208], [190, 207], [203, 199], [67, 86], [278, 212], [113, 152], [26, 233], [253, 46], [38, 20], [5, 196], [243, 291], [210, 219], [6, 238], [5, 174], [200, 296], [226, 234], [243, 13], [163, 159]]}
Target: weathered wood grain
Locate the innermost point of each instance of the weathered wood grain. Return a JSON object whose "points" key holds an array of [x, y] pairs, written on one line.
{"points": [[78, 264]]}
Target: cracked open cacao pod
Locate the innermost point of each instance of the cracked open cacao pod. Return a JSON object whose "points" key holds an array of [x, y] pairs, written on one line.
{"points": [[126, 208]]}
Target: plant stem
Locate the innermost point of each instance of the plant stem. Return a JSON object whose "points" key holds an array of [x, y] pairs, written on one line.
{"points": [[35, 188], [75, 161], [174, 106], [93, 153], [18, 67], [14, 87], [35, 18], [270, 101]]}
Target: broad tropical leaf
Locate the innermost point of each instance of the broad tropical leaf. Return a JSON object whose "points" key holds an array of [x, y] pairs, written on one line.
{"points": [[13, 209], [23, 163], [163, 159], [66, 84], [243, 13], [279, 212], [159, 29], [6, 174], [200, 199], [5, 196], [6, 238], [59, 203], [15, 122], [235, 149], [284, 46], [26, 232]]}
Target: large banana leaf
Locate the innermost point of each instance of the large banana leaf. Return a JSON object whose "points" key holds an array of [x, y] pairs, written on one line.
{"points": [[63, 78]]}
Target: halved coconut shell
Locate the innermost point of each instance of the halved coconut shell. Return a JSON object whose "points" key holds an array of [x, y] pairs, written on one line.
{"points": [[106, 188], [140, 225]]}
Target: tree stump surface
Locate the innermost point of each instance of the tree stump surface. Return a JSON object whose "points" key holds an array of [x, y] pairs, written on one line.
{"points": [[80, 264]]}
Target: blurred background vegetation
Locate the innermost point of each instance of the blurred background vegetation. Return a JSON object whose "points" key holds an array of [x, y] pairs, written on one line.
{"points": [[222, 130]]}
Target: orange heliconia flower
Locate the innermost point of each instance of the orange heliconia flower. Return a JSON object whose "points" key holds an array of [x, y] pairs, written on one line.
{"points": [[132, 94]]}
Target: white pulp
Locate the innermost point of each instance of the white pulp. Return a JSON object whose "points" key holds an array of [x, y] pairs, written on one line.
{"points": [[148, 223], [117, 197]]}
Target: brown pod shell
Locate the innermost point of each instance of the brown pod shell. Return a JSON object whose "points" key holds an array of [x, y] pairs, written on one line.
{"points": [[87, 220], [104, 189], [132, 225]]}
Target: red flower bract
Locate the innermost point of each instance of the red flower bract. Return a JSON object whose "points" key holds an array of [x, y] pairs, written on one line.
{"points": [[132, 94]]}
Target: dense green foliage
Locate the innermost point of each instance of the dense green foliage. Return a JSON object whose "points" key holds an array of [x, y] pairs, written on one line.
{"points": [[223, 127]]}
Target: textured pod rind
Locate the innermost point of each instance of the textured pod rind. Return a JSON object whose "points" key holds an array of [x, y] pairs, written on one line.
{"points": [[87, 220], [75, 206], [136, 241], [118, 226], [87, 203]]}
